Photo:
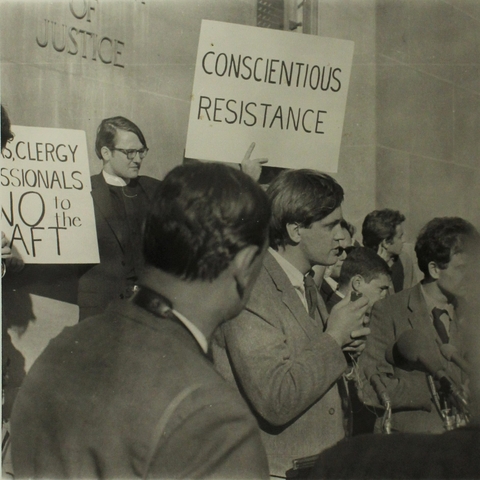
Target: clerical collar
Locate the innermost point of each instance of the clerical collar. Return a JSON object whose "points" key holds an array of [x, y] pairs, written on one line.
{"points": [[114, 180]]}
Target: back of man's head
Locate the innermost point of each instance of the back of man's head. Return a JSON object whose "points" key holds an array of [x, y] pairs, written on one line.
{"points": [[107, 130], [303, 197], [202, 216], [441, 238], [380, 225], [365, 262]]}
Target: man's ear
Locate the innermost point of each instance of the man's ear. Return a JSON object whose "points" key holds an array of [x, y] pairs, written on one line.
{"points": [[242, 267], [293, 230], [356, 282], [106, 153], [433, 270], [382, 250]]}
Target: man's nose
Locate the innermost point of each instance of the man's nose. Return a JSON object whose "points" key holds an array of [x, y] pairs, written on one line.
{"points": [[338, 233]]}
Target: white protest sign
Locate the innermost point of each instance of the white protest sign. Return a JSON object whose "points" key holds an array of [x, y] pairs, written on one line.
{"points": [[47, 209], [284, 91]]}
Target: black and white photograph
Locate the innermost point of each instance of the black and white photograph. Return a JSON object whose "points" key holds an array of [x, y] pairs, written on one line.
{"points": [[240, 239]]}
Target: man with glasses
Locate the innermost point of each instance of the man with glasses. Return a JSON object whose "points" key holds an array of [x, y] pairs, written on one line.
{"points": [[121, 198], [329, 281]]}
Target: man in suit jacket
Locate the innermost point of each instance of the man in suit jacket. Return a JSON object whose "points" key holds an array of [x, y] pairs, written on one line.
{"points": [[121, 199], [451, 455], [132, 392], [439, 250], [283, 351]]}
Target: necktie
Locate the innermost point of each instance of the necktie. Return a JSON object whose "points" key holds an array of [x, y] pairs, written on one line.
{"points": [[439, 325], [310, 293]]}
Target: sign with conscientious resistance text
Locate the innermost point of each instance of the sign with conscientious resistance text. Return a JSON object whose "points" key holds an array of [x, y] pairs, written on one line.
{"points": [[284, 91], [47, 209]]}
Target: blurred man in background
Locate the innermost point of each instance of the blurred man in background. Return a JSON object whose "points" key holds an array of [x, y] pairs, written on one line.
{"points": [[451, 455], [429, 308], [329, 281], [383, 232]]}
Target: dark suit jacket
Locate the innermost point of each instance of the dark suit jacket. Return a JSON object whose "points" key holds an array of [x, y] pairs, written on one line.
{"points": [[326, 291], [452, 455], [413, 408], [100, 284], [91, 406], [286, 368]]}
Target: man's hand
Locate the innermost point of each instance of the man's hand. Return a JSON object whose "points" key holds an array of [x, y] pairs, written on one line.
{"points": [[346, 324], [253, 166], [10, 261], [5, 248], [357, 345]]}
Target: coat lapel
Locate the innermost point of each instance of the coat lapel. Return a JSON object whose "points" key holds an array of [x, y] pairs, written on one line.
{"points": [[419, 316], [103, 204], [289, 295]]}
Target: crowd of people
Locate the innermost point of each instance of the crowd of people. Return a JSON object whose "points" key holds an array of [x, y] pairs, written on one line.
{"points": [[239, 330]]}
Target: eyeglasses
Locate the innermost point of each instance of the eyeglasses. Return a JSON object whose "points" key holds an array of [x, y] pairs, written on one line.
{"points": [[131, 154]]}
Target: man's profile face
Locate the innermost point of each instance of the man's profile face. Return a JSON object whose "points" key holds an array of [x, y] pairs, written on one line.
{"points": [[451, 280], [375, 290], [319, 243], [346, 242], [116, 162], [396, 245]]}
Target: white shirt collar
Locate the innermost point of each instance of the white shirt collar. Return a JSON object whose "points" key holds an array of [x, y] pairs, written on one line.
{"points": [[194, 330], [293, 273], [295, 276], [333, 283], [114, 179]]}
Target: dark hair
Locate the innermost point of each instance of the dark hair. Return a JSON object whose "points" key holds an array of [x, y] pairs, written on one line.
{"points": [[107, 131], [441, 238], [7, 134], [365, 262], [202, 216], [380, 225], [303, 197], [348, 227]]}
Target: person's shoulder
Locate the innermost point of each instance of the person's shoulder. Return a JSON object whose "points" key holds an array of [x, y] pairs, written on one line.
{"points": [[147, 181], [97, 180], [398, 299], [265, 287]]}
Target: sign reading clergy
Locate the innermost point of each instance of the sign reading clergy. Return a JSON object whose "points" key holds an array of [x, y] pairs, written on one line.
{"points": [[47, 209], [284, 91]]}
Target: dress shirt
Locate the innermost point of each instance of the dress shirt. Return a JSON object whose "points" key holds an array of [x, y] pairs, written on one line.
{"points": [[294, 275], [339, 293], [333, 283], [433, 303], [198, 335]]}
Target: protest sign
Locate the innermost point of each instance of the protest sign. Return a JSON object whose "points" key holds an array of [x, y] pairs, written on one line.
{"points": [[47, 209], [284, 91]]}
